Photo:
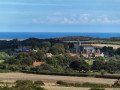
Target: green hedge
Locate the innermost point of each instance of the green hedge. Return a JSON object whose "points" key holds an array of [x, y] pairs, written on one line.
{"points": [[75, 74], [91, 85]]}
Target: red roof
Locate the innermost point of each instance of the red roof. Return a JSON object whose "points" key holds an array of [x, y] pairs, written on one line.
{"points": [[37, 63], [97, 53], [50, 54], [83, 53], [74, 54], [27, 47]]}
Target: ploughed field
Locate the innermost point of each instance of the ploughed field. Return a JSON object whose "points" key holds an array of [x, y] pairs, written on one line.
{"points": [[50, 80], [12, 77], [103, 45]]}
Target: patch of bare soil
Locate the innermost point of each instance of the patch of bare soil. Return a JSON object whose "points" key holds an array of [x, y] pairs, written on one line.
{"points": [[12, 77]]}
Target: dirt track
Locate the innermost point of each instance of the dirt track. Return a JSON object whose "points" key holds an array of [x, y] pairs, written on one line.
{"points": [[12, 77]]}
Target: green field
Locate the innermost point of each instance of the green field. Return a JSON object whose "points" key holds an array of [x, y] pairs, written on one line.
{"points": [[114, 43], [90, 62], [1, 61]]}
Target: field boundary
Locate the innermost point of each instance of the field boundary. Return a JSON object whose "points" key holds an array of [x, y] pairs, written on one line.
{"points": [[75, 74]]}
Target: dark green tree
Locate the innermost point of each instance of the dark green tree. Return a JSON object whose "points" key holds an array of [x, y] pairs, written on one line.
{"points": [[98, 65], [57, 49], [111, 66], [80, 65]]}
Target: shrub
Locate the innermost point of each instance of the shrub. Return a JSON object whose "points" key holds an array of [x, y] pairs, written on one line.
{"points": [[96, 89], [93, 85], [26, 85], [62, 83], [69, 70], [117, 83], [39, 83]]}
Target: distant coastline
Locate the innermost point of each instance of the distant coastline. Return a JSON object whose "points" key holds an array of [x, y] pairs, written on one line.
{"points": [[46, 35]]}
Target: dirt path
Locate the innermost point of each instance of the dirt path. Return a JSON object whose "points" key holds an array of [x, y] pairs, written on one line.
{"points": [[12, 77], [53, 86]]}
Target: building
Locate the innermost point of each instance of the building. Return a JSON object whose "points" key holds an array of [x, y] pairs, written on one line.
{"points": [[92, 55], [88, 51], [78, 47], [73, 54], [49, 55], [23, 49], [37, 63]]}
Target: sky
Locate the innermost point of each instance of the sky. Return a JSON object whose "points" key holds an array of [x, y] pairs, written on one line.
{"points": [[60, 16]]}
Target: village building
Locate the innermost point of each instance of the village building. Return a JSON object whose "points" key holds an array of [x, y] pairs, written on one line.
{"points": [[88, 51], [73, 54], [49, 54], [38, 63], [24, 49]]}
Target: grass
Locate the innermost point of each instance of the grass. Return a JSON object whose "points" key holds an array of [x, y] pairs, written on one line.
{"points": [[90, 62], [1, 61], [4, 71], [113, 43]]}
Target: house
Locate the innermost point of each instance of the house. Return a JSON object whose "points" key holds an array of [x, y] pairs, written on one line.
{"points": [[88, 50], [92, 55], [49, 54], [37, 63], [23, 49], [73, 54]]}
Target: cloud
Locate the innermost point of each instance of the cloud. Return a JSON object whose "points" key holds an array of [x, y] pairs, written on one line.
{"points": [[84, 18], [67, 21]]}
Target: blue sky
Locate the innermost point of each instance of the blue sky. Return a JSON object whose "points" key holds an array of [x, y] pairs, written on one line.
{"points": [[59, 15]]}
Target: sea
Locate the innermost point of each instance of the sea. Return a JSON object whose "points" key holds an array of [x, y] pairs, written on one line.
{"points": [[46, 35]]}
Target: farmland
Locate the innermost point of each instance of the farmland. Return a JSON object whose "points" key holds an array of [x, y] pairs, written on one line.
{"points": [[50, 80]]}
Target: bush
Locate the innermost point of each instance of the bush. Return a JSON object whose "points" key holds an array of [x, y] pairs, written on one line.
{"points": [[14, 68], [96, 89], [39, 83], [46, 67], [117, 83], [26, 85], [69, 70], [93, 85]]}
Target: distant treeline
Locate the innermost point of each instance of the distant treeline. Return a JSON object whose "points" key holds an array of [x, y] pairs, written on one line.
{"points": [[34, 42], [85, 38], [48, 43]]}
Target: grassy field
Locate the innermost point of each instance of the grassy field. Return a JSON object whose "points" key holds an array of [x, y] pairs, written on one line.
{"points": [[114, 43], [1, 61]]}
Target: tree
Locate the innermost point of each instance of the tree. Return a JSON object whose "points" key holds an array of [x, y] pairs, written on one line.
{"points": [[46, 67], [51, 61], [118, 51], [60, 60], [12, 60], [3, 56], [40, 56], [98, 64], [26, 61], [80, 65], [111, 66], [109, 51], [57, 49], [67, 59], [100, 58]]}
